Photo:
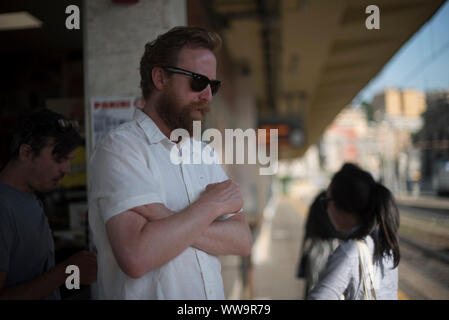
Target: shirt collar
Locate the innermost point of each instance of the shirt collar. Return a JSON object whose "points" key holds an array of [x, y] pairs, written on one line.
{"points": [[152, 131]]}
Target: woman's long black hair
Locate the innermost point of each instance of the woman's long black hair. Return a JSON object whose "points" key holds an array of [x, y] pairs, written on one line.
{"points": [[354, 190]]}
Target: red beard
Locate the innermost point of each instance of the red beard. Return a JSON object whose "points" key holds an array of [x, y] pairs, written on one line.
{"points": [[180, 117]]}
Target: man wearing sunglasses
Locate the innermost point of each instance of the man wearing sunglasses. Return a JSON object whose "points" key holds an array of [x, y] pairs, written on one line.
{"points": [[40, 154], [159, 227]]}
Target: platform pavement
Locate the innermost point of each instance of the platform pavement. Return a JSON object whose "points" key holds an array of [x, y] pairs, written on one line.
{"points": [[274, 256], [276, 253]]}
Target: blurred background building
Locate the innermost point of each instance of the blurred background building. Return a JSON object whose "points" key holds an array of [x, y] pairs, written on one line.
{"points": [[433, 141]]}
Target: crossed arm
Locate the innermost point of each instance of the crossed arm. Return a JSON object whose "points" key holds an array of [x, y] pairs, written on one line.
{"points": [[222, 237], [226, 237], [147, 237]]}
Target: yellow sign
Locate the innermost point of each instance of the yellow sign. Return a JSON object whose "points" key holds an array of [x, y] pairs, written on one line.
{"points": [[77, 176]]}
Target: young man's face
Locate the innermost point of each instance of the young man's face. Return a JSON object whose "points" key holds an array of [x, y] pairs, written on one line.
{"points": [[45, 171], [179, 105]]}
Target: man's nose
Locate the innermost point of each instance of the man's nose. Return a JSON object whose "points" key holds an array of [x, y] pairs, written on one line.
{"points": [[206, 94]]}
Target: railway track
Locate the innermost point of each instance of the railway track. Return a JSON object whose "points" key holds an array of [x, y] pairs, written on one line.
{"points": [[425, 227], [424, 242], [441, 215]]}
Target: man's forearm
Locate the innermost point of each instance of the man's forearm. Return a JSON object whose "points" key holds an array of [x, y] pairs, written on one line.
{"points": [[223, 237], [37, 288], [158, 238], [226, 237]]}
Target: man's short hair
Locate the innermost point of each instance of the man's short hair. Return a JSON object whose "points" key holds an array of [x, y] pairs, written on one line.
{"points": [[164, 51], [42, 127]]}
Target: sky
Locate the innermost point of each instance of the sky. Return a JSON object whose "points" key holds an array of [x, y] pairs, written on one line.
{"points": [[422, 63]]}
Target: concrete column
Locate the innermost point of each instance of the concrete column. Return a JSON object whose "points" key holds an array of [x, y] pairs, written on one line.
{"points": [[114, 36]]}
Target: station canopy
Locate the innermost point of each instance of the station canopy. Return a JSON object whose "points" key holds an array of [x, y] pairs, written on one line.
{"points": [[308, 59]]}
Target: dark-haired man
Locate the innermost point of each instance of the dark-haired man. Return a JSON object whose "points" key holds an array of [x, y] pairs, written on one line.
{"points": [[40, 155], [159, 226]]}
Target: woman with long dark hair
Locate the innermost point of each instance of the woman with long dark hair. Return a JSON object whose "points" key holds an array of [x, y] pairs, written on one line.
{"points": [[365, 265], [320, 241]]}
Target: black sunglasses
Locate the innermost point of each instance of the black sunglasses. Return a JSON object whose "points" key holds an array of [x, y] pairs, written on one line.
{"points": [[65, 124], [199, 82]]}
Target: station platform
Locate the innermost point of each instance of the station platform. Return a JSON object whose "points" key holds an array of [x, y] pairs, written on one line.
{"points": [[276, 252], [272, 272]]}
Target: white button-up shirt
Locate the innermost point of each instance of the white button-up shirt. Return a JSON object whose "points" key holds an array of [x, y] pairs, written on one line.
{"points": [[131, 167]]}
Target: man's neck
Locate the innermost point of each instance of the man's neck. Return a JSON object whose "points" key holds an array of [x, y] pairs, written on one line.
{"points": [[14, 176], [151, 112]]}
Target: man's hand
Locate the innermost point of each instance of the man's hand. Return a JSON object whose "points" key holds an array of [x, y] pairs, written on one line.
{"points": [[86, 261], [224, 197], [44, 284]]}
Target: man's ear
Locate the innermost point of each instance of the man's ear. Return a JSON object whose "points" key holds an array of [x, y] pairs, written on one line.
{"points": [[158, 77], [25, 152]]}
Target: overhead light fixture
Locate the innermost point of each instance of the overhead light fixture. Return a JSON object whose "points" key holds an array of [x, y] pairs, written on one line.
{"points": [[18, 20]]}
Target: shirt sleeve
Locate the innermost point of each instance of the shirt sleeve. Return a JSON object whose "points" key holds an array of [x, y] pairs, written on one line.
{"points": [[119, 181], [335, 278], [6, 236]]}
